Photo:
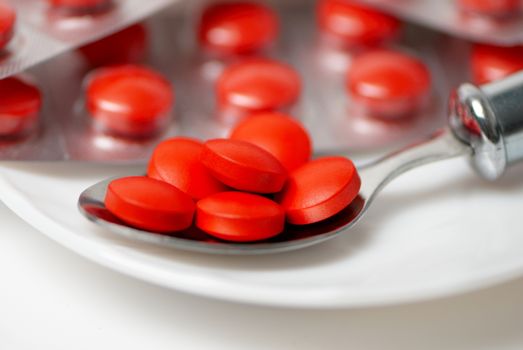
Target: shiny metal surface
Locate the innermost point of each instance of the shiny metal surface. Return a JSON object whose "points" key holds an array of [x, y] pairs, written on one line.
{"points": [[496, 110], [506, 100], [375, 176], [469, 103]]}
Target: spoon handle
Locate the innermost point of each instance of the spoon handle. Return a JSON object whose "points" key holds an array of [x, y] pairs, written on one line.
{"points": [[489, 118], [442, 145]]}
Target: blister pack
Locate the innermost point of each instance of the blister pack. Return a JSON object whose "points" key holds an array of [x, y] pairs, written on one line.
{"points": [[496, 22], [209, 67], [32, 31]]}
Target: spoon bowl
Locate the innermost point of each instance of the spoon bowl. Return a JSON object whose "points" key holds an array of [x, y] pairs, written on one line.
{"points": [[374, 177], [91, 205]]}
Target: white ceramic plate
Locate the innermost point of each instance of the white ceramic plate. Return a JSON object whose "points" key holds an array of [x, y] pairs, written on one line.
{"points": [[434, 232]]}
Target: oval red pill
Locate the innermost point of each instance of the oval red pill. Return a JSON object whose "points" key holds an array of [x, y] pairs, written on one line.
{"points": [[7, 24], [177, 162], [354, 24], [20, 104], [124, 47], [243, 166], [258, 85], [319, 189], [490, 7], [491, 63], [239, 217], [278, 134], [129, 100], [237, 27], [388, 83], [149, 204]]}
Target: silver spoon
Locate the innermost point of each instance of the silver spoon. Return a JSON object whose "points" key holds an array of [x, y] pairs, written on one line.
{"points": [[494, 142]]}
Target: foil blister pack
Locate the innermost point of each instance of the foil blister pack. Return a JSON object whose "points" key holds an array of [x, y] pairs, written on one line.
{"points": [[496, 22], [67, 131], [45, 29]]}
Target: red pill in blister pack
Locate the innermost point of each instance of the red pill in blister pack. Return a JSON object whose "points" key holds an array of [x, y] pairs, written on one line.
{"points": [[490, 7], [149, 204], [129, 100], [128, 107], [497, 22], [389, 84], [237, 27], [489, 63], [20, 104], [126, 46], [177, 162], [7, 24], [257, 85], [239, 217], [354, 24]]}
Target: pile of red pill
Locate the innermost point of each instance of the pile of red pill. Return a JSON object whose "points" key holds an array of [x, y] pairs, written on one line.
{"points": [[242, 188]]}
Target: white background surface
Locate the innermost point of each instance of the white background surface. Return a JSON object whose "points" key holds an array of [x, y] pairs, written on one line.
{"points": [[51, 298]]}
